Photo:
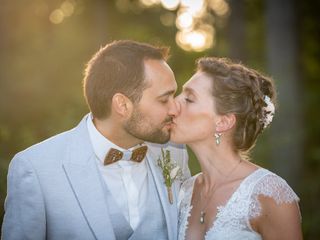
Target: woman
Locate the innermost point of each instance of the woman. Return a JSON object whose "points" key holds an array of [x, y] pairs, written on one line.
{"points": [[223, 109]]}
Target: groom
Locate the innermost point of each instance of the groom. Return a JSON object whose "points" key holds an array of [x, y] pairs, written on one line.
{"points": [[100, 180]]}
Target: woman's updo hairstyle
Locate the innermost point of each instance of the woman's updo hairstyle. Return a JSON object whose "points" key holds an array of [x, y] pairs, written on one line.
{"points": [[244, 92]]}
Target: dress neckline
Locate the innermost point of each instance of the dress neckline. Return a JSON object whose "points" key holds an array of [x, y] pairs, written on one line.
{"points": [[220, 208]]}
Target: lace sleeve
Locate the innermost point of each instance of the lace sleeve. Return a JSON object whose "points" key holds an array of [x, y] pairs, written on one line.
{"points": [[271, 186]]}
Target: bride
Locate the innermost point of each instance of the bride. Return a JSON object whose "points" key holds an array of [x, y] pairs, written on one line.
{"points": [[222, 110]]}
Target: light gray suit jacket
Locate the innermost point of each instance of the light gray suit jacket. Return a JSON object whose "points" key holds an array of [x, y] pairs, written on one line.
{"points": [[55, 190]]}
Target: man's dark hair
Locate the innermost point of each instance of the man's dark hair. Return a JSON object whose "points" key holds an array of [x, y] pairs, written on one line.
{"points": [[118, 68]]}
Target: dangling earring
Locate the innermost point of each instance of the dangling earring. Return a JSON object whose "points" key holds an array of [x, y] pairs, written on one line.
{"points": [[218, 138]]}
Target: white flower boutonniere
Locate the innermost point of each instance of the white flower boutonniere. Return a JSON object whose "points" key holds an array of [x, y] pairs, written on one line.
{"points": [[170, 171]]}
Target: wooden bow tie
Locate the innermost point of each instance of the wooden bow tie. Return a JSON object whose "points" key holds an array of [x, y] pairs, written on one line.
{"points": [[115, 155]]}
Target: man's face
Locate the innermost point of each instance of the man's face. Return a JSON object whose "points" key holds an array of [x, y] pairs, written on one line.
{"points": [[152, 116]]}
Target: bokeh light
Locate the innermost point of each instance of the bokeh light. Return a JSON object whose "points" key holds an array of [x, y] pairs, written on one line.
{"points": [[170, 4], [193, 19], [196, 40], [220, 7], [66, 10], [184, 20], [150, 3], [56, 16], [194, 7]]}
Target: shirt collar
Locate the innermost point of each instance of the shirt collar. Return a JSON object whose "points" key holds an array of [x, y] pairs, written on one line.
{"points": [[101, 144]]}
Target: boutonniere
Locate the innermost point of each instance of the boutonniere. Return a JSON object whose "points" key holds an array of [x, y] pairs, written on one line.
{"points": [[170, 171]]}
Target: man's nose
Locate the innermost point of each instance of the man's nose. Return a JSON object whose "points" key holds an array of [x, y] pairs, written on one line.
{"points": [[174, 108]]}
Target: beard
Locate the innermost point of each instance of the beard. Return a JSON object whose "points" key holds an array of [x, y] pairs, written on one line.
{"points": [[142, 128]]}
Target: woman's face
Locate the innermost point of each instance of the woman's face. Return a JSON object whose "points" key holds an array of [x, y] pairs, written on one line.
{"points": [[195, 120]]}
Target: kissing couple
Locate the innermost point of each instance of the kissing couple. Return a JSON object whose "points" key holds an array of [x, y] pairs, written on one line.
{"points": [[122, 173]]}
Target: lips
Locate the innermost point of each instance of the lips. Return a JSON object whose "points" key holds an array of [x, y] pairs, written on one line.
{"points": [[168, 125], [168, 122]]}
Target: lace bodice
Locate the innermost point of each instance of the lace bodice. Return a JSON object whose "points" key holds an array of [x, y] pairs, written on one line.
{"points": [[233, 219]]}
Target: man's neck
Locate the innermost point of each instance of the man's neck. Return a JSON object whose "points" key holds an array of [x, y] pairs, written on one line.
{"points": [[114, 132]]}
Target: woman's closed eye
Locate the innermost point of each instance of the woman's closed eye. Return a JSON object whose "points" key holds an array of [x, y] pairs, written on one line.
{"points": [[188, 100]]}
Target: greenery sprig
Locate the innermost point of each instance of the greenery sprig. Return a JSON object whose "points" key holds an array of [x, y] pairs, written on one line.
{"points": [[170, 171]]}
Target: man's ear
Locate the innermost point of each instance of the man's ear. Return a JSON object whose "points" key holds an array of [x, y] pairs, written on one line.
{"points": [[121, 105], [225, 122]]}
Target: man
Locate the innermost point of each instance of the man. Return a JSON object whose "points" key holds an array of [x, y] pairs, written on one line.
{"points": [[94, 181]]}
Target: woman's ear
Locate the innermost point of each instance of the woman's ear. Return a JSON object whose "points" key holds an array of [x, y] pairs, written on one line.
{"points": [[225, 122], [121, 105]]}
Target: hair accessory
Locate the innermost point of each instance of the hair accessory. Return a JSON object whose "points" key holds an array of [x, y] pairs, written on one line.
{"points": [[268, 111]]}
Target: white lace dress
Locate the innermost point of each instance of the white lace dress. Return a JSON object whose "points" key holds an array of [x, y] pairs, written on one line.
{"points": [[232, 220]]}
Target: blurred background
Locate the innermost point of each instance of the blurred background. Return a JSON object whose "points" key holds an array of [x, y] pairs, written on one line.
{"points": [[45, 44]]}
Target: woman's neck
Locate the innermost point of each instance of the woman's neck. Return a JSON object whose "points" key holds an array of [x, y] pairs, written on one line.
{"points": [[216, 162]]}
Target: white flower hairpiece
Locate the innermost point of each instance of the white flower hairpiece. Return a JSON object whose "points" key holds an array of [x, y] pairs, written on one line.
{"points": [[268, 111]]}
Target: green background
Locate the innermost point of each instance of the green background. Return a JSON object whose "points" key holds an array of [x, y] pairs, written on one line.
{"points": [[42, 67]]}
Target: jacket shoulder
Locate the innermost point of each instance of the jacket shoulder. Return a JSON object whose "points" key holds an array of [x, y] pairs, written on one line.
{"points": [[48, 147]]}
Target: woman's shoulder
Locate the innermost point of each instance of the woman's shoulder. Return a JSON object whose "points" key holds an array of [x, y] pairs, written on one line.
{"points": [[271, 185], [269, 188], [273, 203]]}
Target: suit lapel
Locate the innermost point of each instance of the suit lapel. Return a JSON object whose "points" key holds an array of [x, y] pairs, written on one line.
{"points": [[170, 210], [83, 175]]}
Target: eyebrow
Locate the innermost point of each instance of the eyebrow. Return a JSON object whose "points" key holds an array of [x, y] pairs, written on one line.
{"points": [[189, 90], [167, 93]]}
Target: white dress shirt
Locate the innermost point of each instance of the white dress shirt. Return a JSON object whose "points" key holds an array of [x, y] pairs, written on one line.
{"points": [[125, 179]]}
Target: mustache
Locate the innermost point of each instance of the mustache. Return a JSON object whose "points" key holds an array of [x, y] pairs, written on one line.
{"points": [[168, 120]]}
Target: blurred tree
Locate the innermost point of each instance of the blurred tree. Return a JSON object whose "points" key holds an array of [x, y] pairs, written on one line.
{"points": [[309, 62], [288, 130], [237, 31]]}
